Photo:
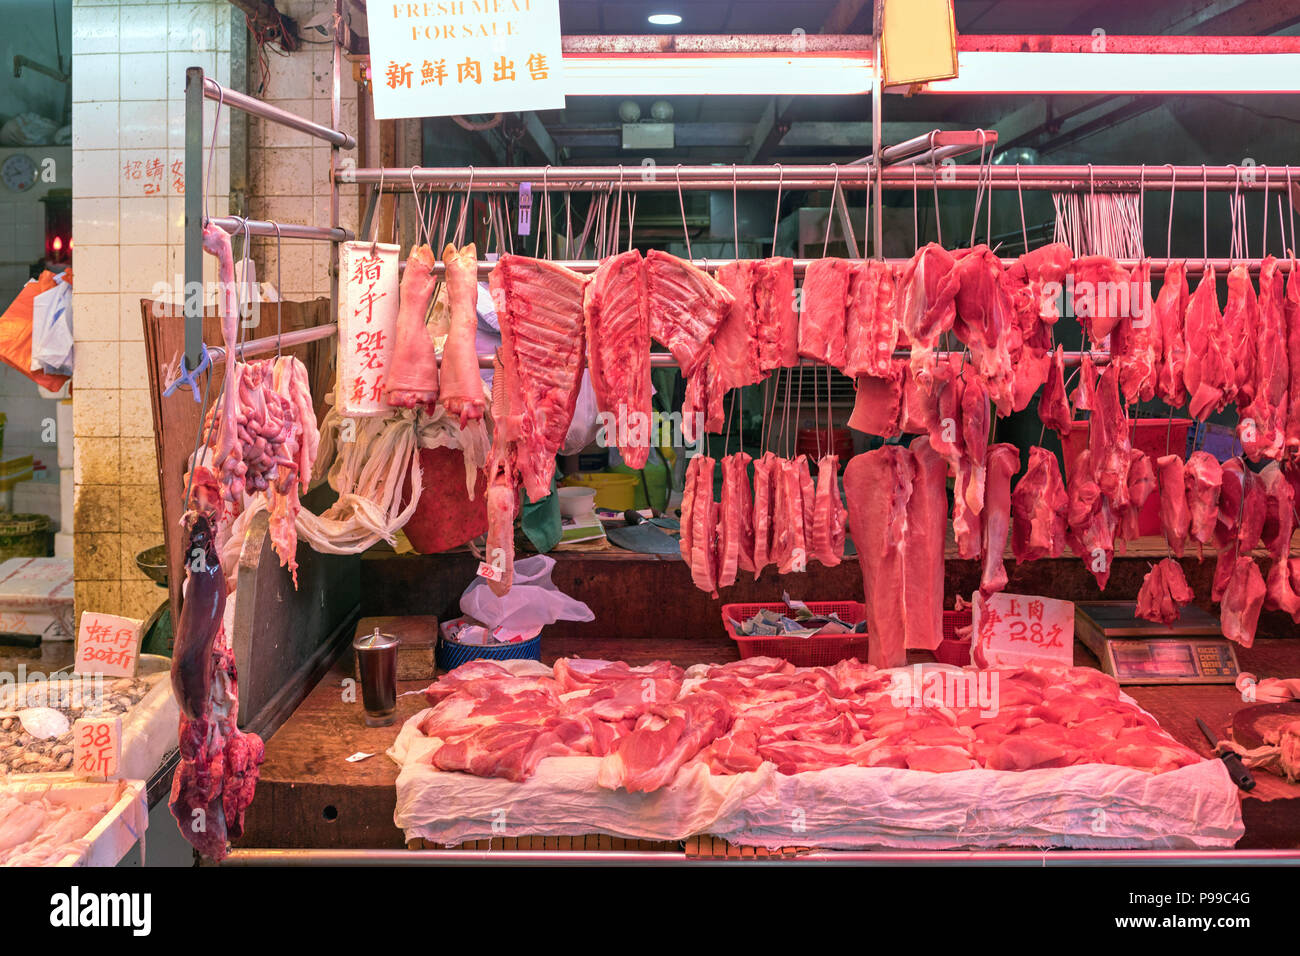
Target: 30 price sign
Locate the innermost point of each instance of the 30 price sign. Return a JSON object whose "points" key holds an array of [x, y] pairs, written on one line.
{"points": [[97, 747], [107, 644]]}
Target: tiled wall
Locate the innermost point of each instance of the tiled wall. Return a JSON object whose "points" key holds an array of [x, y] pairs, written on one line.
{"points": [[289, 171], [128, 140]]}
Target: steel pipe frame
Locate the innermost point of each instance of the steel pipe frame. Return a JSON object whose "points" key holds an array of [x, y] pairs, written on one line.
{"points": [[641, 178], [249, 104], [237, 226], [1039, 858]]}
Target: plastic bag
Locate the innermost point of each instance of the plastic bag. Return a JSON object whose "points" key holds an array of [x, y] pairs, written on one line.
{"points": [[52, 330], [585, 426], [529, 605]]}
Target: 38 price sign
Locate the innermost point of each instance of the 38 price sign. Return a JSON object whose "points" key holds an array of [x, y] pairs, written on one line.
{"points": [[97, 747]]}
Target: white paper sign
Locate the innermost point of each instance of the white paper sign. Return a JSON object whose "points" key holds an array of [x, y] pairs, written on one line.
{"points": [[368, 294], [107, 644], [1011, 630], [96, 747], [460, 57]]}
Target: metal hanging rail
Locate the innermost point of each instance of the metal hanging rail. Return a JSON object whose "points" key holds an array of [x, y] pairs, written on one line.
{"points": [[213, 90], [666, 177], [199, 87]]}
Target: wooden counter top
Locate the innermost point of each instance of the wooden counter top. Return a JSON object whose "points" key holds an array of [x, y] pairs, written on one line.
{"points": [[310, 796]]}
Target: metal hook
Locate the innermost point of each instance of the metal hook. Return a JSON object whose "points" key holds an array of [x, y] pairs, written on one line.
{"points": [[681, 204], [379, 207], [1173, 189], [735, 215], [1205, 210], [464, 210], [279, 293], [212, 150], [1020, 197], [1263, 249], [776, 216], [419, 212], [830, 211]]}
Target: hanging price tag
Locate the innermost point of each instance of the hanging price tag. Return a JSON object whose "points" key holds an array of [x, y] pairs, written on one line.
{"points": [[486, 570], [525, 208], [97, 747], [1011, 630]]}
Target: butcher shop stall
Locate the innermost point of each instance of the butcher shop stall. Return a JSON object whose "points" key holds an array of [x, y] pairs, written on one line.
{"points": [[730, 432]]}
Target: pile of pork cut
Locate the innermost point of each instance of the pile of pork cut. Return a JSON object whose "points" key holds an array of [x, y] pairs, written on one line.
{"points": [[647, 723]]}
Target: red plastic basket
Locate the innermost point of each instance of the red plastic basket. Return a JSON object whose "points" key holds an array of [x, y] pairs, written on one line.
{"points": [[953, 649], [817, 651]]}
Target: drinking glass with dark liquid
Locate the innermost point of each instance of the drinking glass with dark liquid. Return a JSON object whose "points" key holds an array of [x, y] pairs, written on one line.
{"points": [[377, 666]]}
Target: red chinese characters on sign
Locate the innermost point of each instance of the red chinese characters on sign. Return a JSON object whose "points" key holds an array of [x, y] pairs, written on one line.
{"points": [[1016, 629], [401, 76], [107, 644], [367, 313], [150, 176], [96, 747]]}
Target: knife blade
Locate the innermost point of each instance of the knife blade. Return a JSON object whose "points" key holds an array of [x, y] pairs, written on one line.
{"points": [[1236, 769]]}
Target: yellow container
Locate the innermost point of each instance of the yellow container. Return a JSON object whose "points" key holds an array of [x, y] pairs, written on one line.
{"points": [[613, 491]]}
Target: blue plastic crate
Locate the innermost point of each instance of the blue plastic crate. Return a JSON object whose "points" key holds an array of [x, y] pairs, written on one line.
{"points": [[451, 654]]}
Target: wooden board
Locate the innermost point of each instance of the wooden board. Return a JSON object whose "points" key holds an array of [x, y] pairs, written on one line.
{"points": [[176, 418]]}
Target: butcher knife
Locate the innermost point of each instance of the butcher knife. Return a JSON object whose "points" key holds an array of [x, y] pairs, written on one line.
{"points": [[1236, 769]]}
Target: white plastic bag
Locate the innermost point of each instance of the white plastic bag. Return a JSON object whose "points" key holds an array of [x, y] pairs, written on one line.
{"points": [[585, 426], [52, 329], [530, 604]]}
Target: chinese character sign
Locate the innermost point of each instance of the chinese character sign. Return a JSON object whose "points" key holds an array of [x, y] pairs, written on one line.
{"points": [[96, 747], [456, 57], [1010, 630], [107, 644], [368, 274]]}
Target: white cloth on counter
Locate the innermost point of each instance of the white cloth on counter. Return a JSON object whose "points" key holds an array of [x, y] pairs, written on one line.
{"points": [[1091, 806]]}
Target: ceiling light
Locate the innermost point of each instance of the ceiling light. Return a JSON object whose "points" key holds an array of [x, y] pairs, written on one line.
{"points": [[664, 19]]}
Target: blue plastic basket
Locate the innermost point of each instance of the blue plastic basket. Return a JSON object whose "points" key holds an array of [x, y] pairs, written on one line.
{"points": [[451, 654]]}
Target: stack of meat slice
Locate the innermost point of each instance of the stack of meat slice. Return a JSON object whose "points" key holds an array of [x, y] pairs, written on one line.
{"points": [[898, 510], [617, 323]]}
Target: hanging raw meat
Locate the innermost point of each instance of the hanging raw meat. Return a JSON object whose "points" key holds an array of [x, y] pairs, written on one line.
{"points": [[618, 351], [970, 464], [828, 514], [1003, 462], [871, 333], [924, 300], [1204, 481], [1101, 295], [1262, 428], [1164, 593], [1109, 439], [1038, 278], [877, 403], [218, 770], [1090, 520], [823, 317], [685, 306], [1175, 518], [699, 524], [540, 309], [776, 320], [1136, 342], [735, 520], [1141, 483], [897, 509], [1242, 601], [1170, 309], [413, 376], [1084, 394], [1240, 336], [1208, 374], [1038, 507], [736, 344], [1053, 406], [460, 387], [792, 513], [1282, 580], [502, 470], [766, 470], [984, 317], [1292, 310]]}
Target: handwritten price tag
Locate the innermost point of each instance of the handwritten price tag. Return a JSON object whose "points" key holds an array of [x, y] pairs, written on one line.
{"points": [[97, 747], [107, 644], [486, 570], [1011, 630]]}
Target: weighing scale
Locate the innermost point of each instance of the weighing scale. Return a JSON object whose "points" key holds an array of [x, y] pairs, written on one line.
{"points": [[1192, 650]]}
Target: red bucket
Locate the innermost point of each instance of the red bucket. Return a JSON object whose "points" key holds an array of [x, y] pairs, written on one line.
{"points": [[809, 440], [445, 518], [1155, 436]]}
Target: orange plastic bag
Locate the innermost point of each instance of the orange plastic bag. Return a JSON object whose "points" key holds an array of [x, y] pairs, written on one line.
{"points": [[16, 332]]}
